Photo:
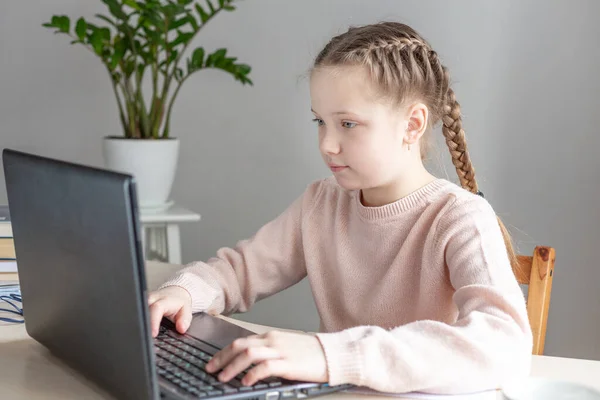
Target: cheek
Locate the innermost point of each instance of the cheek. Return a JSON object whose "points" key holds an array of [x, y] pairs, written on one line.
{"points": [[378, 153]]}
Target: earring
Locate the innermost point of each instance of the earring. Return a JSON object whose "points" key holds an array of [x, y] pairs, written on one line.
{"points": [[409, 147]]}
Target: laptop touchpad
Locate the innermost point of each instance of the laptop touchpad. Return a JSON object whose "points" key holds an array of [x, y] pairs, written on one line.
{"points": [[215, 331]]}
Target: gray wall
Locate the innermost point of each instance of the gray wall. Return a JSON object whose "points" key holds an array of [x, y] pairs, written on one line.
{"points": [[525, 73]]}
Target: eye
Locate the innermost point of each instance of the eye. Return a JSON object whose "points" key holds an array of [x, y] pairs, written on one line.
{"points": [[319, 121], [348, 124]]}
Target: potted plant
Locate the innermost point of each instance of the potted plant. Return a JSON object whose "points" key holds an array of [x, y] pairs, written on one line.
{"points": [[143, 44]]}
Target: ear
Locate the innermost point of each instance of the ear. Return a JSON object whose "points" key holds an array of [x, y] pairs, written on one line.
{"points": [[417, 117]]}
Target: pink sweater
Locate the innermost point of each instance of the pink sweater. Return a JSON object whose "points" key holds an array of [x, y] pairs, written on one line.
{"points": [[417, 295]]}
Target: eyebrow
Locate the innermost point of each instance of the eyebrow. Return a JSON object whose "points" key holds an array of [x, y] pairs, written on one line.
{"points": [[337, 112]]}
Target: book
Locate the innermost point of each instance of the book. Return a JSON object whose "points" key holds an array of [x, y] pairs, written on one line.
{"points": [[5, 225], [7, 249], [9, 266], [8, 263]]}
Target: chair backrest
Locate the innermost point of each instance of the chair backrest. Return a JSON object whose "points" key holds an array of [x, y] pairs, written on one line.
{"points": [[536, 271]]}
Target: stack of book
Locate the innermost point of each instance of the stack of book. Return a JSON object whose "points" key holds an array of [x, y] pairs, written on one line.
{"points": [[8, 258]]}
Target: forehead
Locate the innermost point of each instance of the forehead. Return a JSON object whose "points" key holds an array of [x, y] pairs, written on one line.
{"points": [[347, 88], [341, 84]]}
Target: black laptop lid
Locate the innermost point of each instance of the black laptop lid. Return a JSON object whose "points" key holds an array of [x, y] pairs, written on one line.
{"points": [[81, 270]]}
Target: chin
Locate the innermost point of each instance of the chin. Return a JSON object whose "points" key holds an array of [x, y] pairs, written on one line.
{"points": [[348, 184]]}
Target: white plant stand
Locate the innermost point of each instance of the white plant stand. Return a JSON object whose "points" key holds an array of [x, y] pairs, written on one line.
{"points": [[160, 232]]}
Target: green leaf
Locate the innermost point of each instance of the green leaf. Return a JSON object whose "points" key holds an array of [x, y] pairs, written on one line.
{"points": [[132, 4], [153, 36], [141, 68], [105, 33], [91, 26], [178, 23], [64, 24], [219, 60], [129, 68], [229, 8], [179, 9], [107, 19], [136, 46], [153, 19], [183, 37], [60, 22], [219, 54], [211, 7], [198, 58], [55, 22], [178, 74], [120, 48], [244, 69], [81, 28], [172, 57], [203, 15], [215, 59], [169, 11], [193, 22], [149, 4], [115, 9], [148, 57], [96, 41]]}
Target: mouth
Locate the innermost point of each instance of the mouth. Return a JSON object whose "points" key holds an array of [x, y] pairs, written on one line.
{"points": [[337, 168]]}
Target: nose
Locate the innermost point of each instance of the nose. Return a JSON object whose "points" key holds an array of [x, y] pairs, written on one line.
{"points": [[328, 142]]}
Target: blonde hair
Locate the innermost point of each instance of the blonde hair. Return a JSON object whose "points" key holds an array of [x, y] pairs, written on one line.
{"points": [[404, 67]]}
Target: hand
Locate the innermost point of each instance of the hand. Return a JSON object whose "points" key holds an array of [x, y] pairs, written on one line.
{"points": [[174, 303], [294, 356]]}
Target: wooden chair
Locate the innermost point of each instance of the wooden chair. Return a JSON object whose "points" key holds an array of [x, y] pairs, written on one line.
{"points": [[536, 271]]}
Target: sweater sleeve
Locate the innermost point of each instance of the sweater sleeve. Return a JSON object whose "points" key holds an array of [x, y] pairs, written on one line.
{"points": [[490, 342], [268, 262]]}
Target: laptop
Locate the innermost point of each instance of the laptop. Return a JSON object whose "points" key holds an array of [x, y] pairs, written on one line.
{"points": [[81, 270]]}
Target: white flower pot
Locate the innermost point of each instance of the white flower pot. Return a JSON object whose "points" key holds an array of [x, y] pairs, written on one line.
{"points": [[152, 162]]}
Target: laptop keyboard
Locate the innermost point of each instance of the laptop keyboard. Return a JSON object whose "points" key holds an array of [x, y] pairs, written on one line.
{"points": [[182, 361]]}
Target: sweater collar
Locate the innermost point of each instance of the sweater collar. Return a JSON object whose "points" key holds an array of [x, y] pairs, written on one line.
{"points": [[407, 203]]}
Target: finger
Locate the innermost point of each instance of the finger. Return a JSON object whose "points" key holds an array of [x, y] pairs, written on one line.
{"points": [[156, 314], [224, 357], [183, 319], [245, 359], [152, 298], [265, 369], [158, 311]]}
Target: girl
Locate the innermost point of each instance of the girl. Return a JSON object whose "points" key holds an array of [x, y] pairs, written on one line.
{"points": [[411, 274]]}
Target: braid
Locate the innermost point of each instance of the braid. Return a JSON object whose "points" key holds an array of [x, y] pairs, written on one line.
{"points": [[455, 139], [397, 44], [452, 129], [442, 80]]}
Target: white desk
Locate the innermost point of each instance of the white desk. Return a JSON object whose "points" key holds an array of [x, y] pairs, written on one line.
{"points": [[29, 372], [160, 232]]}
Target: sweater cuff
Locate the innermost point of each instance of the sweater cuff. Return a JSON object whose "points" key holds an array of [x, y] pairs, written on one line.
{"points": [[205, 297], [344, 359]]}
